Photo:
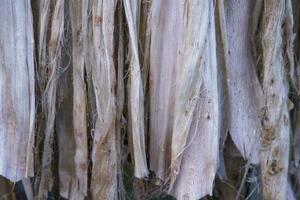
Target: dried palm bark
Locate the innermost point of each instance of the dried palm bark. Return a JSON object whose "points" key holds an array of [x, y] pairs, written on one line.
{"points": [[41, 11], [17, 102], [64, 126], [276, 120], [245, 92], [179, 65], [78, 21], [197, 69], [49, 101], [196, 115], [135, 92], [163, 51], [104, 155]]}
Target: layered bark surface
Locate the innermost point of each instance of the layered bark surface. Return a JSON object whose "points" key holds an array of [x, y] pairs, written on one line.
{"points": [[104, 154], [135, 92], [245, 92], [121, 99], [276, 120], [49, 72], [17, 93], [163, 53]]}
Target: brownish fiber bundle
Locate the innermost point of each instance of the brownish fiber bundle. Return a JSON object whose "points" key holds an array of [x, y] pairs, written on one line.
{"points": [[137, 99]]}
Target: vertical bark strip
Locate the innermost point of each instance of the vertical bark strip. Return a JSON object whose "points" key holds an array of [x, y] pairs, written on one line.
{"points": [[196, 126], [79, 99], [135, 92], [163, 51], [192, 64], [65, 133], [49, 101], [17, 100], [196, 72], [245, 92], [276, 121], [104, 155]]}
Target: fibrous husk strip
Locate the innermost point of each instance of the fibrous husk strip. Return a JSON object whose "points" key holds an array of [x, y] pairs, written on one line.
{"points": [[17, 92], [274, 153], [104, 153], [135, 92], [195, 139], [49, 95]]}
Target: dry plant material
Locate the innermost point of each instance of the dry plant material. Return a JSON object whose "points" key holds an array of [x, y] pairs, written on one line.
{"points": [[163, 51], [104, 153], [190, 88], [49, 95], [245, 92], [276, 120], [135, 92], [17, 92], [195, 136]]}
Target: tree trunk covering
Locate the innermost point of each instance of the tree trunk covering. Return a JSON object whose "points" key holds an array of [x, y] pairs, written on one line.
{"points": [[17, 99], [122, 99]]}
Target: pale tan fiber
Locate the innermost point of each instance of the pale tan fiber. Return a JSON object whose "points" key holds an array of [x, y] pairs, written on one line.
{"points": [[205, 92], [163, 53], [135, 92], [43, 22], [276, 121], [63, 116], [49, 95], [72, 171], [79, 99], [245, 92], [197, 54], [104, 154], [17, 100], [192, 59], [179, 65]]}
